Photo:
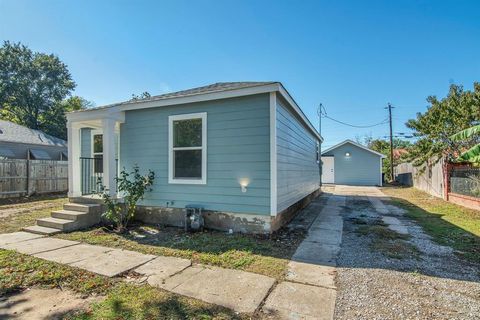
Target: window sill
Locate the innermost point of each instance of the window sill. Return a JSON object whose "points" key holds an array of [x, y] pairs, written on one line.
{"points": [[187, 181]]}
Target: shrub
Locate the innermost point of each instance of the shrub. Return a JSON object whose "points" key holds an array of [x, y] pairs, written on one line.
{"points": [[131, 187]]}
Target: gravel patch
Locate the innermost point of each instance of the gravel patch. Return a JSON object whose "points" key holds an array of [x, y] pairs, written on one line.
{"points": [[433, 283]]}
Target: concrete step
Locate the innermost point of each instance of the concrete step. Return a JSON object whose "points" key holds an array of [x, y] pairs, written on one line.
{"points": [[41, 230], [86, 200], [79, 207], [69, 215], [60, 224]]}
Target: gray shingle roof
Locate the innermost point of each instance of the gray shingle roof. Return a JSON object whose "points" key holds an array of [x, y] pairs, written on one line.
{"points": [[12, 132], [215, 87]]}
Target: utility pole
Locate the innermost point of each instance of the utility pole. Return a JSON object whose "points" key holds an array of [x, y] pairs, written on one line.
{"points": [[391, 140]]}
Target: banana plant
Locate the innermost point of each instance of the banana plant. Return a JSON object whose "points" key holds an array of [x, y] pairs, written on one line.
{"points": [[472, 154]]}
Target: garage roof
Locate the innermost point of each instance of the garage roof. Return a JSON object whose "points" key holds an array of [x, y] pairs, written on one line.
{"points": [[355, 144]]}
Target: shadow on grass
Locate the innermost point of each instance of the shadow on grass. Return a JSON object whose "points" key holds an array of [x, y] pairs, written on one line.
{"points": [[33, 198], [365, 232], [144, 302], [466, 244]]}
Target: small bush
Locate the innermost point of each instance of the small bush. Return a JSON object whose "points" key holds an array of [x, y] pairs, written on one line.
{"points": [[132, 187]]}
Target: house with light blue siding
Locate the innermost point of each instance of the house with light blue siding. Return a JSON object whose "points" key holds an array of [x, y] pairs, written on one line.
{"points": [[350, 163], [243, 151]]}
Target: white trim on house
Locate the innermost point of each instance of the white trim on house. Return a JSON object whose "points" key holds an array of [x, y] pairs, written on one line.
{"points": [[355, 144], [117, 111], [171, 149], [380, 183], [273, 154]]}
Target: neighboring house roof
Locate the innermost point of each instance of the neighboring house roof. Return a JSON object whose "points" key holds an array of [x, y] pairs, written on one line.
{"points": [[15, 133], [219, 90], [355, 144], [397, 153]]}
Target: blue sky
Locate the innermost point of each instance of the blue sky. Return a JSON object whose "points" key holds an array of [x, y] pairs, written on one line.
{"points": [[352, 56]]}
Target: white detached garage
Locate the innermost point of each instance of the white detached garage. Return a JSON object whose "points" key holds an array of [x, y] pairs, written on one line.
{"points": [[351, 163]]}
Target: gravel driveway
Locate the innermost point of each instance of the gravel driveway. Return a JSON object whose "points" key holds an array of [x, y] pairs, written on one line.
{"points": [[384, 275]]}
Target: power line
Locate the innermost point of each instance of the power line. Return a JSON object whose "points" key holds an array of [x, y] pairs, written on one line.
{"points": [[322, 112], [357, 126]]}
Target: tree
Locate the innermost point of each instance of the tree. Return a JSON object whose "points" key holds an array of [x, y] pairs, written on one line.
{"points": [[469, 134], [32, 86], [143, 95], [459, 110], [383, 147], [56, 121]]}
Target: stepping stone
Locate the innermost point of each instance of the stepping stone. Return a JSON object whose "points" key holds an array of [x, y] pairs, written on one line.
{"points": [[398, 228], [113, 262], [316, 253], [41, 230], [74, 254], [39, 245], [378, 205], [311, 274], [162, 268], [238, 290], [391, 220], [300, 301], [8, 238]]}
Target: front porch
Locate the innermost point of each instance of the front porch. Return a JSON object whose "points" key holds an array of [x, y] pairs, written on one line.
{"points": [[93, 150]]}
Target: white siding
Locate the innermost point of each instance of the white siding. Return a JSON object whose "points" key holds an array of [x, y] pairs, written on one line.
{"points": [[298, 173]]}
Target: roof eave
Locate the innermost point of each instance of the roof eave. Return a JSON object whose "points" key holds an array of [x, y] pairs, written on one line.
{"points": [[199, 97]]}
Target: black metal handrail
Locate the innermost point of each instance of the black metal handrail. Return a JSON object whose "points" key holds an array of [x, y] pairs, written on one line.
{"points": [[91, 174]]}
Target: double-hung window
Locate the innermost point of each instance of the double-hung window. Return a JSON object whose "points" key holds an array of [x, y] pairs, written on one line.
{"points": [[187, 144]]}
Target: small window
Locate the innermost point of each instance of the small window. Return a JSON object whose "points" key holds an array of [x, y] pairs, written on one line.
{"points": [[318, 152], [97, 151], [187, 148]]}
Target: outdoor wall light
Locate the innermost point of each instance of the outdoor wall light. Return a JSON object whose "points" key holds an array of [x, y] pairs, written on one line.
{"points": [[347, 154], [244, 183]]}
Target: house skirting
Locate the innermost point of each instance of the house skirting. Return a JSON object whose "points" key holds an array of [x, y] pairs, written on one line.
{"points": [[224, 221]]}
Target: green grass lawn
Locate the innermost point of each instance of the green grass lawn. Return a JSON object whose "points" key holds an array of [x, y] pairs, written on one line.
{"points": [[119, 300], [266, 255], [259, 254], [23, 212], [448, 223]]}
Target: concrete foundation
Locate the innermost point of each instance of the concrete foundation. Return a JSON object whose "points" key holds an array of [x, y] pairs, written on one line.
{"points": [[224, 221]]}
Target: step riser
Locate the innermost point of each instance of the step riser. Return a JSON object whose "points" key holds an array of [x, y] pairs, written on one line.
{"points": [[83, 200], [60, 226], [71, 217], [42, 232], [82, 208]]}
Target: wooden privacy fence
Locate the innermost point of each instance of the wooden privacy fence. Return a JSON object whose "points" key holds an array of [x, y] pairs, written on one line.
{"points": [[427, 178], [19, 177]]}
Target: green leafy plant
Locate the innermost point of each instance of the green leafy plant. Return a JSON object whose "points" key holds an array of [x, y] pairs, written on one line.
{"points": [[472, 154], [131, 187]]}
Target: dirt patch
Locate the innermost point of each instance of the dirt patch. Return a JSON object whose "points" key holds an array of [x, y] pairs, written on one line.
{"points": [[19, 209], [42, 304]]}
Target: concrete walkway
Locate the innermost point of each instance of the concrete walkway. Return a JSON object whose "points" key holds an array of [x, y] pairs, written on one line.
{"points": [[310, 291]]}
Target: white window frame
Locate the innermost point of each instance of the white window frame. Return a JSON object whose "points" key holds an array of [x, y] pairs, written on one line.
{"points": [[189, 116], [318, 151], [94, 133]]}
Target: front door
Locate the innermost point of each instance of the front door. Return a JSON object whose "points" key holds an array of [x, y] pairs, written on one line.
{"points": [[328, 169]]}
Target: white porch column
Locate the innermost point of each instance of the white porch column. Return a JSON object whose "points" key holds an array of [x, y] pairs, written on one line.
{"points": [[74, 187], [109, 164]]}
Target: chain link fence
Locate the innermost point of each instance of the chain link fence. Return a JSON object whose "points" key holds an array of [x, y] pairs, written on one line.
{"points": [[465, 181]]}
